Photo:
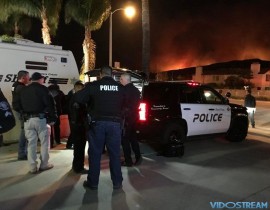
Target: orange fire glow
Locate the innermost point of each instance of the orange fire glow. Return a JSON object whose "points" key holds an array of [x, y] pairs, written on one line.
{"points": [[197, 39]]}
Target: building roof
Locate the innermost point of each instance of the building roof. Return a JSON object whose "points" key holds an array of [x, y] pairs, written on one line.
{"points": [[235, 67], [225, 68]]}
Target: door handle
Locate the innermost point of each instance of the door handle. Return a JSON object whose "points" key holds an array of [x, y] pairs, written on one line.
{"points": [[211, 109], [187, 108]]}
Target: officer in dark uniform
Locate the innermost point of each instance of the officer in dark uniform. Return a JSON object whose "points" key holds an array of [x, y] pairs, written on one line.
{"points": [[22, 80], [38, 108], [77, 120], [71, 137], [106, 98], [59, 98], [129, 140]]}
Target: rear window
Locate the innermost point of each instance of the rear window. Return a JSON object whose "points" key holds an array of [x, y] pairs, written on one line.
{"points": [[173, 93], [159, 92], [189, 94]]}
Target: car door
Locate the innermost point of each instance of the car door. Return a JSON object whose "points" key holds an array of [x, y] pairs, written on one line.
{"points": [[218, 113], [204, 111], [192, 107]]}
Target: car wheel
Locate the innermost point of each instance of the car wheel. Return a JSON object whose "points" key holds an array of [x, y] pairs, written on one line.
{"points": [[238, 131], [174, 138]]}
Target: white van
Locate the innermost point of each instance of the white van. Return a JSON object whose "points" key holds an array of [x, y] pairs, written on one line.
{"points": [[49, 60]]}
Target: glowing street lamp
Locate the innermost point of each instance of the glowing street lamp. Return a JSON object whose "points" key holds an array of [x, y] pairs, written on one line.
{"points": [[129, 12]]}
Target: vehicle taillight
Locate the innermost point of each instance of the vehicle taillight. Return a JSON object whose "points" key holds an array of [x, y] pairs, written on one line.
{"points": [[142, 111]]}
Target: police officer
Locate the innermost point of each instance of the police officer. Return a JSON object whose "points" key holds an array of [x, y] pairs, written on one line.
{"points": [[77, 120], [59, 98], [105, 98], [36, 104], [71, 137], [22, 80], [131, 116]]}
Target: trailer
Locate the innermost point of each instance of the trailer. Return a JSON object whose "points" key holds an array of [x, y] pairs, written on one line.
{"points": [[54, 63]]}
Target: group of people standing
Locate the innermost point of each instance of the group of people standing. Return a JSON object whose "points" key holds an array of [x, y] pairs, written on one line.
{"points": [[103, 112], [23, 79], [36, 108]]}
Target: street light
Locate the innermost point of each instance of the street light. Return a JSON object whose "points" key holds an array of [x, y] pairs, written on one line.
{"points": [[129, 12]]}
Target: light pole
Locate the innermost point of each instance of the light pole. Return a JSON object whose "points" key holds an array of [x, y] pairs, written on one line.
{"points": [[129, 12]]}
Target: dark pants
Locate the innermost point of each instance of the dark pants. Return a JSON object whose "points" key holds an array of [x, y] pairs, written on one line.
{"points": [[108, 133], [55, 134], [22, 150], [79, 147], [70, 140], [129, 141], [71, 136]]}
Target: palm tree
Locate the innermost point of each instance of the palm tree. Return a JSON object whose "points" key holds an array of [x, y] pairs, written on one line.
{"points": [[146, 37], [90, 14], [16, 25], [46, 10], [13, 22], [9, 21], [5, 12]]}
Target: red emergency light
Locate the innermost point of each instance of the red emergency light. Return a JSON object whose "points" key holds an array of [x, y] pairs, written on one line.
{"points": [[193, 83]]}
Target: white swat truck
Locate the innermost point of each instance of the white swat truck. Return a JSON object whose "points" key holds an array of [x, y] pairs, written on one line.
{"points": [[49, 60]]}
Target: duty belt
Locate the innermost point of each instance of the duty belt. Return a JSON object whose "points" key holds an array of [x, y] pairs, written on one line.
{"points": [[108, 118], [39, 115]]}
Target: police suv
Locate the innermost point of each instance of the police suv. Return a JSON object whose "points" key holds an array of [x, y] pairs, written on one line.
{"points": [[174, 111]]}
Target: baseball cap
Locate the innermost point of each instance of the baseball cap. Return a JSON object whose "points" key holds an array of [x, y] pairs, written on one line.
{"points": [[36, 76], [79, 82]]}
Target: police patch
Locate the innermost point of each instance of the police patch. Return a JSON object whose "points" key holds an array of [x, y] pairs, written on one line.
{"points": [[108, 88]]}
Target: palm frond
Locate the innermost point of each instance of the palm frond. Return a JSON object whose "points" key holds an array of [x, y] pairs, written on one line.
{"points": [[88, 12]]}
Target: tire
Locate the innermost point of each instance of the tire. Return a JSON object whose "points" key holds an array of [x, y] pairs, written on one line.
{"points": [[174, 138], [238, 130]]}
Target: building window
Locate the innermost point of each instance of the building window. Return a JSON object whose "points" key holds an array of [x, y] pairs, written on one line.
{"points": [[267, 78], [216, 77]]}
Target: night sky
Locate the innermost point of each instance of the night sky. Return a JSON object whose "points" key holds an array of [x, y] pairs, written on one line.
{"points": [[184, 33], [199, 32]]}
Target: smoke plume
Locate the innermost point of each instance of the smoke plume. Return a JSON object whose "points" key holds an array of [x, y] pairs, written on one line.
{"points": [[202, 32]]}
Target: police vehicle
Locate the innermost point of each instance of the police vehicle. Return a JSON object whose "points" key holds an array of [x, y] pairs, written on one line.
{"points": [[54, 63], [172, 111]]}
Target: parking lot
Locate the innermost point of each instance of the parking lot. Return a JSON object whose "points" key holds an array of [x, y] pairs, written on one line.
{"points": [[212, 170]]}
